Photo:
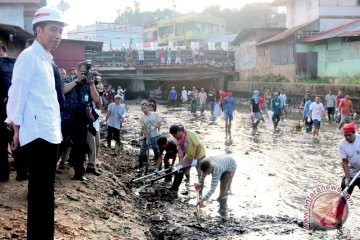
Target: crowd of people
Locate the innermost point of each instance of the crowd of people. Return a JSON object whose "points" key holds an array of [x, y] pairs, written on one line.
{"points": [[57, 112]]}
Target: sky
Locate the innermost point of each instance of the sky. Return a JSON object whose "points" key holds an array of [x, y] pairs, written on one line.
{"points": [[86, 12]]}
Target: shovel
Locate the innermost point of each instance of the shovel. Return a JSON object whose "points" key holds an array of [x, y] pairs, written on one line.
{"points": [[168, 174], [197, 214], [149, 175], [298, 127]]}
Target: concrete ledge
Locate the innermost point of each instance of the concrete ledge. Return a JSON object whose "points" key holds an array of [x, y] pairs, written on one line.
{"points": [[295, 89]]}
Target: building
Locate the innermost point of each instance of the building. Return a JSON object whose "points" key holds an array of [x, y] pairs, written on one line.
{"points": [[250, 61], [70, 52], [19, 12], [115, 36], [337, 51], [14, 38], [190, 30], [223, 42], [328, 13], [284, 54], [150, 36]]}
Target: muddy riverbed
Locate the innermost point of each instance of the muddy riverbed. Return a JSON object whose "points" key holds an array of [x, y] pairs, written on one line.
{"points": [[277, 170]]}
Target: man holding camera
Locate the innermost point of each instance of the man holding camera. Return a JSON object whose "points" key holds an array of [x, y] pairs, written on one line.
{"points": [[78, 115]]}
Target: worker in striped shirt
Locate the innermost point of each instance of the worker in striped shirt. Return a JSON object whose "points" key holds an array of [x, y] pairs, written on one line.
{"points": [[222, 169]]}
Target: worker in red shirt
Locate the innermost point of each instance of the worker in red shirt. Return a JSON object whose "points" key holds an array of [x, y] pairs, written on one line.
{"points": [[223, 95]]}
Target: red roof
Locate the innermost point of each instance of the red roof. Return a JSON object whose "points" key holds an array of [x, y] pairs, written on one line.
{"points": [[348, 30]]}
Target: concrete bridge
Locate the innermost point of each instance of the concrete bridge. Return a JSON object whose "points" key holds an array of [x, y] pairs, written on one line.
{"points": [[139, 79]]}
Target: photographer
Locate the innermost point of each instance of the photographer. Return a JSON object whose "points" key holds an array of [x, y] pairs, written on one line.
{"points": [[78, 115]]}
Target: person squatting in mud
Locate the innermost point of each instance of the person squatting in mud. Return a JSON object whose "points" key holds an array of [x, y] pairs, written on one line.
{"points": [[170, 148], [150, 124], [190, 152], [349, 153], [222, 168]]}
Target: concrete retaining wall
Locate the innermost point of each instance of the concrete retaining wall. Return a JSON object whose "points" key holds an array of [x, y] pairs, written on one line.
{"points": [[295, 89]]}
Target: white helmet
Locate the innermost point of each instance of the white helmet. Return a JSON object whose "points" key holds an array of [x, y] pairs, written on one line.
{"points": [[46, 14]]}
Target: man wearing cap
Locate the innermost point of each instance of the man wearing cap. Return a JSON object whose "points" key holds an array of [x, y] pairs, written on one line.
{"points": [[172, 95], [34, 113], [115, 117], [349, 153], [276, 108]]}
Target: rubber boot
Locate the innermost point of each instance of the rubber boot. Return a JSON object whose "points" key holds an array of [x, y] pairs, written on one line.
{"points": [[177, 181], [168, 178], [222, 199]]}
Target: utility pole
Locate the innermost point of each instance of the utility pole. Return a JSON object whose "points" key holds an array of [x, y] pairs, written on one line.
{"points": [[173, 18]]}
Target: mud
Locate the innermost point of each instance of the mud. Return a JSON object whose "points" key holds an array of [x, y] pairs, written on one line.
{"points": [[277, 170]]}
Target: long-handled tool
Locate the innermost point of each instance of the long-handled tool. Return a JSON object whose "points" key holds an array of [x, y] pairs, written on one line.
{"points": [[168, 174], [149, 175], [298, 127], [334, 217], [197, 214]]}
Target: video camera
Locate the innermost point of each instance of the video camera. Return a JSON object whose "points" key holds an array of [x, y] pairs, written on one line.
{"points": [[90, 74]]}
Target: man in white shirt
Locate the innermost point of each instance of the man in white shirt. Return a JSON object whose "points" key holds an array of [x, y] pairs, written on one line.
{"points": [[349, 153], [316, 111], [184, 94], [34, 113], [202, 100]]}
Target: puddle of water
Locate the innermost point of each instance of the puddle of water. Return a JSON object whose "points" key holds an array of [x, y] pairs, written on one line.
{"points": [[276, 172]]}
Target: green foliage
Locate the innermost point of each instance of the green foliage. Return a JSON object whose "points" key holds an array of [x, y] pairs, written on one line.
{"points": [[353, 80], [271, 78], [319, 80], [250, 16]]}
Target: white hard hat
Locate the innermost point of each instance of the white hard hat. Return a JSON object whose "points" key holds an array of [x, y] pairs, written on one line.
{"points": [[46, 14]]}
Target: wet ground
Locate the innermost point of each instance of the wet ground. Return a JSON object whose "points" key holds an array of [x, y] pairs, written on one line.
{"points": [[277, 170]]}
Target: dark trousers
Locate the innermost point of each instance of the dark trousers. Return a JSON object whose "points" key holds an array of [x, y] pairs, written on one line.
{"points": [[42, 158], [113, 134], [4, 161], [351, 188], [79, 148], [276, 119]]}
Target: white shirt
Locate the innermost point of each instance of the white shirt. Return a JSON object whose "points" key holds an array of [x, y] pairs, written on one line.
{"points": [[351, 151], [184, 95], [33, 103], [117, 112], [317, 110]]}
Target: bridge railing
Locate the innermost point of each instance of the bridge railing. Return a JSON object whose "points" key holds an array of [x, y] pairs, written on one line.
{"points": [[126, 58]]}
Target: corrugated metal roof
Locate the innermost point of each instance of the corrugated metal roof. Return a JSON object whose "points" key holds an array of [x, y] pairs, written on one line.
{"points": [[348, 30], [285, 34], [15, 30], [222, 38], [246, 31]]}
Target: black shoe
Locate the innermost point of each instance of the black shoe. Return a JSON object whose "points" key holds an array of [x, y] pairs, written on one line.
{"points": [[79, 178], [93, 171]]}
